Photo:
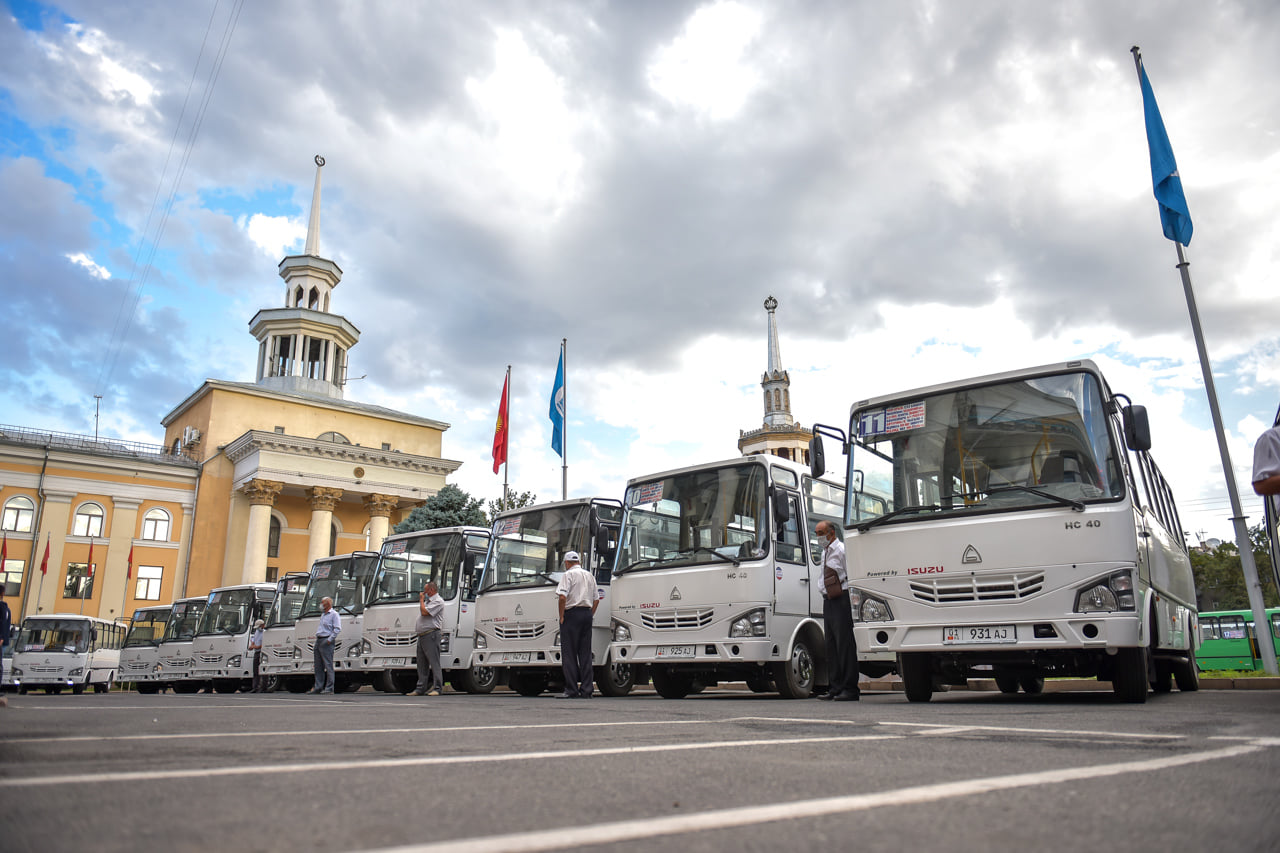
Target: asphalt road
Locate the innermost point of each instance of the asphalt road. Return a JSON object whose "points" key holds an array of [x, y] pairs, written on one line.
{"points": [[724, 770]]}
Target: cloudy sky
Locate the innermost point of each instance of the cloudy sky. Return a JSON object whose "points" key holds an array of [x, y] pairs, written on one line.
{"points": [[932, 190]]}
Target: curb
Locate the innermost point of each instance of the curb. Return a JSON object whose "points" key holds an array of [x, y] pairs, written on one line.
{"points": [[1082, 685]]}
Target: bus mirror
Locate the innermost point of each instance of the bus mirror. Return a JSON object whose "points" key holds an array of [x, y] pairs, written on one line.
{"points": [[1137, 428], [781, 507], [817, 459], [855, 481]]}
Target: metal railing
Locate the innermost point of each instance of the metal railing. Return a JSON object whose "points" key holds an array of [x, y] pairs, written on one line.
{"points": [[97, 446]]}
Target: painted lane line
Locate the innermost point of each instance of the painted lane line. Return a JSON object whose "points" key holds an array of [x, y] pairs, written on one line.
{"points": [[336, 732], [1023, 730], [632, 830], [415, 761]]}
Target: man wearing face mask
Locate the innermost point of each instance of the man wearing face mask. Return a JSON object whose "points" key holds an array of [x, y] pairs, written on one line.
{"points": [[837, 617]]}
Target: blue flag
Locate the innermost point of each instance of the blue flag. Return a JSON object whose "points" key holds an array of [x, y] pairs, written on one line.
{"points": [[1174, 215], [557, 409]]}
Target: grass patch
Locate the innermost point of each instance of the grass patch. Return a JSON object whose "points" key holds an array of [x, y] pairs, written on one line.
{"points": [[1233, 673]]}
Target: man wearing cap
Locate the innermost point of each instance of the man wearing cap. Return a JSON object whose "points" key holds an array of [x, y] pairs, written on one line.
{"points": [[255, 646], [578, 603]]}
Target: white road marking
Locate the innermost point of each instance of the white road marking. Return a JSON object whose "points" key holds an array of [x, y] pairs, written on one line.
{"points": [[632, 830], [1029, 731], [414, 761]]}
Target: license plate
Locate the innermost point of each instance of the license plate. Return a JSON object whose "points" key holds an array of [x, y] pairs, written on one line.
{"points": [[517, 657], [979, 634], [396, 661], [675, 651]]}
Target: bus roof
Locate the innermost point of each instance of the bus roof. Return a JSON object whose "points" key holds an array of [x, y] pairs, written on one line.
{"points": [[798, 468], [438, 531], [554, 505], [990, 379]]}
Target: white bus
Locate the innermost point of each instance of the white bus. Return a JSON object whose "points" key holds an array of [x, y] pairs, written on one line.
{"points": [[142, 647], [66, 650], [173, 660], [452, 557], [1028, 534], [282, 658], [517, 610], [220, 648], [348, 580], [718, 577]]}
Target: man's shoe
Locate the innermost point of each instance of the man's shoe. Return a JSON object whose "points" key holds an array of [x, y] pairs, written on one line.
{"points": [[847, 697], [419, 693], [433, 692], [566, 695], [828, 696], [327, 691], [312, 690]]}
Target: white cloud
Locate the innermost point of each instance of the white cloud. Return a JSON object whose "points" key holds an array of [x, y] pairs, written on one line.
{"points": [[706, 67], [274, 235], [95, 269]]}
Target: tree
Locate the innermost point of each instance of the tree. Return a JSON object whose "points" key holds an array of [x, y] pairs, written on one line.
{"points": [[450, 507], [1220, 578], [512, 501]]}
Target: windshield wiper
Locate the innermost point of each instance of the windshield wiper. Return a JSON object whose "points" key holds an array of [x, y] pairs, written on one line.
{"points": [[1078, 506], [880, 519], [703, 549], [545, 577], [632, 566]]}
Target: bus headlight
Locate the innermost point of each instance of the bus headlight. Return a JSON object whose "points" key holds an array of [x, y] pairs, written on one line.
{"points": [[444, 641], [366, 647], [234, 663], [750, 625], [480, 641], [621, 633], [1115, 594], [869, 608], [355, 651], [17, 672], [297, 653], [76, 672]]}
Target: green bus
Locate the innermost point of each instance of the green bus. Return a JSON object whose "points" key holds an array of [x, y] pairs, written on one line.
{"points": [[1228, 640]]}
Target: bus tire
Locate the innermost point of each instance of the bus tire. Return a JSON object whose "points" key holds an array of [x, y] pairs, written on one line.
{"points": [[671, 684], [528, 683], [147, 687], [760, 682], [917, 676], [22, 690], [77, 689], [102, 687], [1186, 674], [404, 681], [795, 677], [1007, 682], [1164, 676], [477, 679], [615, 679], [1032, 685], [226, 685], [1129, 679]]}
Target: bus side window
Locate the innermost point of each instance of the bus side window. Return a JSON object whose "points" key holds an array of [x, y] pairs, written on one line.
{"points": [[790, 545]]}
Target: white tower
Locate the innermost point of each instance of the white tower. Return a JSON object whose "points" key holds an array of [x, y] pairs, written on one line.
{"points": [[302, 348], [780, 435]]}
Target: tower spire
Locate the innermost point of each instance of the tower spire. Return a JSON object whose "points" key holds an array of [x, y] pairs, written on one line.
{"points": [[776, 382], [775, 352], [313, 226]]}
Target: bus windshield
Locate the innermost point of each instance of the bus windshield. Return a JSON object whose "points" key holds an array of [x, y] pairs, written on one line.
{"points": [[147, 628], [184, 619], [288, 601], [345, 581], [54, 635], [228, 612], [696, 516], [407, 564], [1029, 443], [529, 548]]}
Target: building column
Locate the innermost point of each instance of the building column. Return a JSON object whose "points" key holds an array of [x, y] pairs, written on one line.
{"points": [[116, 594], [379, 508], [262, 497], [323, 500], [46, 589]]}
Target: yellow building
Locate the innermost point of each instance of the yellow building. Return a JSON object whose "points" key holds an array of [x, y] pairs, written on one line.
{"points": [[254, 479]]}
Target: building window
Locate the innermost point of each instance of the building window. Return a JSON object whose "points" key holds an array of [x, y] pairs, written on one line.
{"points": [[155, 525], [273, 537], [11, 577], [333, 539], [273, 574], [18, 512], [79, 583], [149, 583], [88, 521], [335, 437]]}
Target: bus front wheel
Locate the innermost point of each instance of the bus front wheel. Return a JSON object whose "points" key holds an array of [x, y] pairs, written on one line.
{"points": [[1186, 674], [671, 684], [1129, 681], [795, 677], [477, 679], [917, 676], [615, 679]]}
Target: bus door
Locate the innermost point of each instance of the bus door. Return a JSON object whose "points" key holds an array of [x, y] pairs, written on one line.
{"points": [[794, 586]]}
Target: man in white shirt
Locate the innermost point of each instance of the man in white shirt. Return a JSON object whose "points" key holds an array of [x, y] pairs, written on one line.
{"points": [[837, 618], [326, 636], [579, 599], [427, 630], [255, 646]]}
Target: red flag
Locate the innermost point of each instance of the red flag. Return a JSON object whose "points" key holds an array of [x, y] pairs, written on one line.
{"points": [[500, 429], [44, 564], [128, 572], [90, 558], [4, 551]]}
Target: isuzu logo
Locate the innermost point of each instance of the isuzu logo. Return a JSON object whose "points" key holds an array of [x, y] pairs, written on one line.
{"points": [[519, 610], [926, 570], [675, 593], [971, 555]]}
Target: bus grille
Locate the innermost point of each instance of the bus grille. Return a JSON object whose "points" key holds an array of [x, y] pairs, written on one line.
{"points": [[282, 653], [311, 645], [396, 640], [135, 665], [977, 588], [45, 670], [677, 619], [520, 631], [209, 658]]}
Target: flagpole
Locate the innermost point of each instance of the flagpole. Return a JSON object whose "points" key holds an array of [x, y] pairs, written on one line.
{"points": [[40, 589], [89, 567], [1262, 627], [128, 576], [564, 429], [506, 457]]}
